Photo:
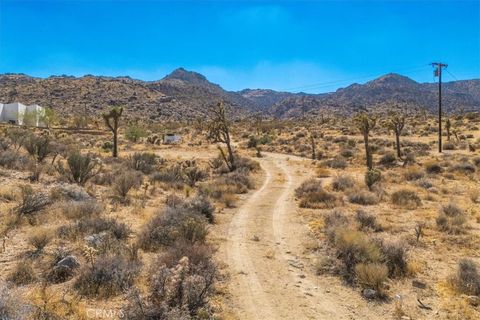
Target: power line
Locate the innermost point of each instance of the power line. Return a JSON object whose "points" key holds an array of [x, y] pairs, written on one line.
{"points": [[329, 83]]}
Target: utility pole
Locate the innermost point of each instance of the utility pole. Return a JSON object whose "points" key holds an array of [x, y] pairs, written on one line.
{"points": [[438, 73]]}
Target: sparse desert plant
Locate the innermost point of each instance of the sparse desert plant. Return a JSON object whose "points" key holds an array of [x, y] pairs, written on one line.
{"points": [[171, 225], [406, 198], [363, 197], [95, 225], [142, 161], [12, 306], [40, 239], [342, 183], [124, 182], [367, 221], [412, 174], [388, 160], [80, 209], [38, 147], [372, 276], [464, 167], [22, 274], [109, 276], [372, 176], [80, 168], [194, 174], [451, 219], [308, 186], [433, 167], [134, 132], [112, 121], [467, 279], [31, 202], [395, 257]]}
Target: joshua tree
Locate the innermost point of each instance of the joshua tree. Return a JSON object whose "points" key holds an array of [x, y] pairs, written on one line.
{"points": [[112, 119], [219, 131], [448, 126], [365, 123], [396, 123]]}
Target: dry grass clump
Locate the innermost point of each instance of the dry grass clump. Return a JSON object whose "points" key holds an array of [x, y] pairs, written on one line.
{"points": [[363, 197], [313, 196], [406, 198], [239, 181], [31, 203], [433, 167], [108, 276], [170, 225], [372, 276], [40, 239], [451, 219], [413, 174], [94, 226], [395, 257], [338, 162], [367, 221], [342, 183], [22, 274], [80, 209], [464, 167], [144, 162], [467, 278], [124, 182], [80, 168], [388, 160], [12, 306]]}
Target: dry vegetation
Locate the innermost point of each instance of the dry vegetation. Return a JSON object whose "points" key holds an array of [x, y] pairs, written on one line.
{"points": [[83, 230]]}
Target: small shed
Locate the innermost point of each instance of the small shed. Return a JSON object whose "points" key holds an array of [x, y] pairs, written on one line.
{"points": [[172, 138]]}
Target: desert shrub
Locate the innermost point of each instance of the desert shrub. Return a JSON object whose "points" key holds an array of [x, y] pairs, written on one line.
{"points": [[194, 174], [22, 274], [347, 153], [95, 225], [172, 176], [354, 247], [201, 205], [338, 162], [142, 161], [406, 198], [388, 160], [13, 160], [448, 146], [412, 174], [12, 307], [424, 183], [109, 276], [178, 292], [246, 164], [80, 168], [319, 199], [69, 192], [308, 186], [31, 203], [80, 209], [38, 147], [40, 239], [395, 257], [342, 183], [451, 219], [467, 279], [367, 221], [239, 180], [62, 266], [252, 142], [363, 197], [333, 221], [464, 167], [451, 210], [372, 276], [372, 176], [170, 225], [433, 168], [476, 161], [124, 182], [134, 133]]}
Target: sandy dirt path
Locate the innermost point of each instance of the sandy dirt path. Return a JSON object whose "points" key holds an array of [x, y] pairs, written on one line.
{"points": [[271, 277]]}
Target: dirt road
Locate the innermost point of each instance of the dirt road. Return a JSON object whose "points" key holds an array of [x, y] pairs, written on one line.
{"points": [[271, 278]]}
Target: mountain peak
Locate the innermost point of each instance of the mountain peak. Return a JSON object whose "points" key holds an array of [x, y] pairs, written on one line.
{"points": [[393, 79], [187, 76]]}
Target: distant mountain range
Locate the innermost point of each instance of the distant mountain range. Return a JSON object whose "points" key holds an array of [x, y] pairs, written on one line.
{"points": [[185, 95]]}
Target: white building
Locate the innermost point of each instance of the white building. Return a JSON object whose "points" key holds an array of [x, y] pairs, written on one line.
{"points": [[20, 114], [172, 138]]}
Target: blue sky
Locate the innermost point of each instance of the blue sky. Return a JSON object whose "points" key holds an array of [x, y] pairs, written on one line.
{"points": [[311, 46]]}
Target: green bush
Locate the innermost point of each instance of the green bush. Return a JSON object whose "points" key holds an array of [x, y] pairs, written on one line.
{"points": [[134, 133]]}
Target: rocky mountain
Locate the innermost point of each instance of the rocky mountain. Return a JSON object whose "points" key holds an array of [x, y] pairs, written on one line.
{"points": [[384, 91], [184, 95]]}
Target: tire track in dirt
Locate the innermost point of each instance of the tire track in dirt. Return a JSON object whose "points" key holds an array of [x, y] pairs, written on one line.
{"points": [[263, 250]]}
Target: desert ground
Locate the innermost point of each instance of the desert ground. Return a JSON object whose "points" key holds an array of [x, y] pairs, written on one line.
{"points": [[292, 226]]}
